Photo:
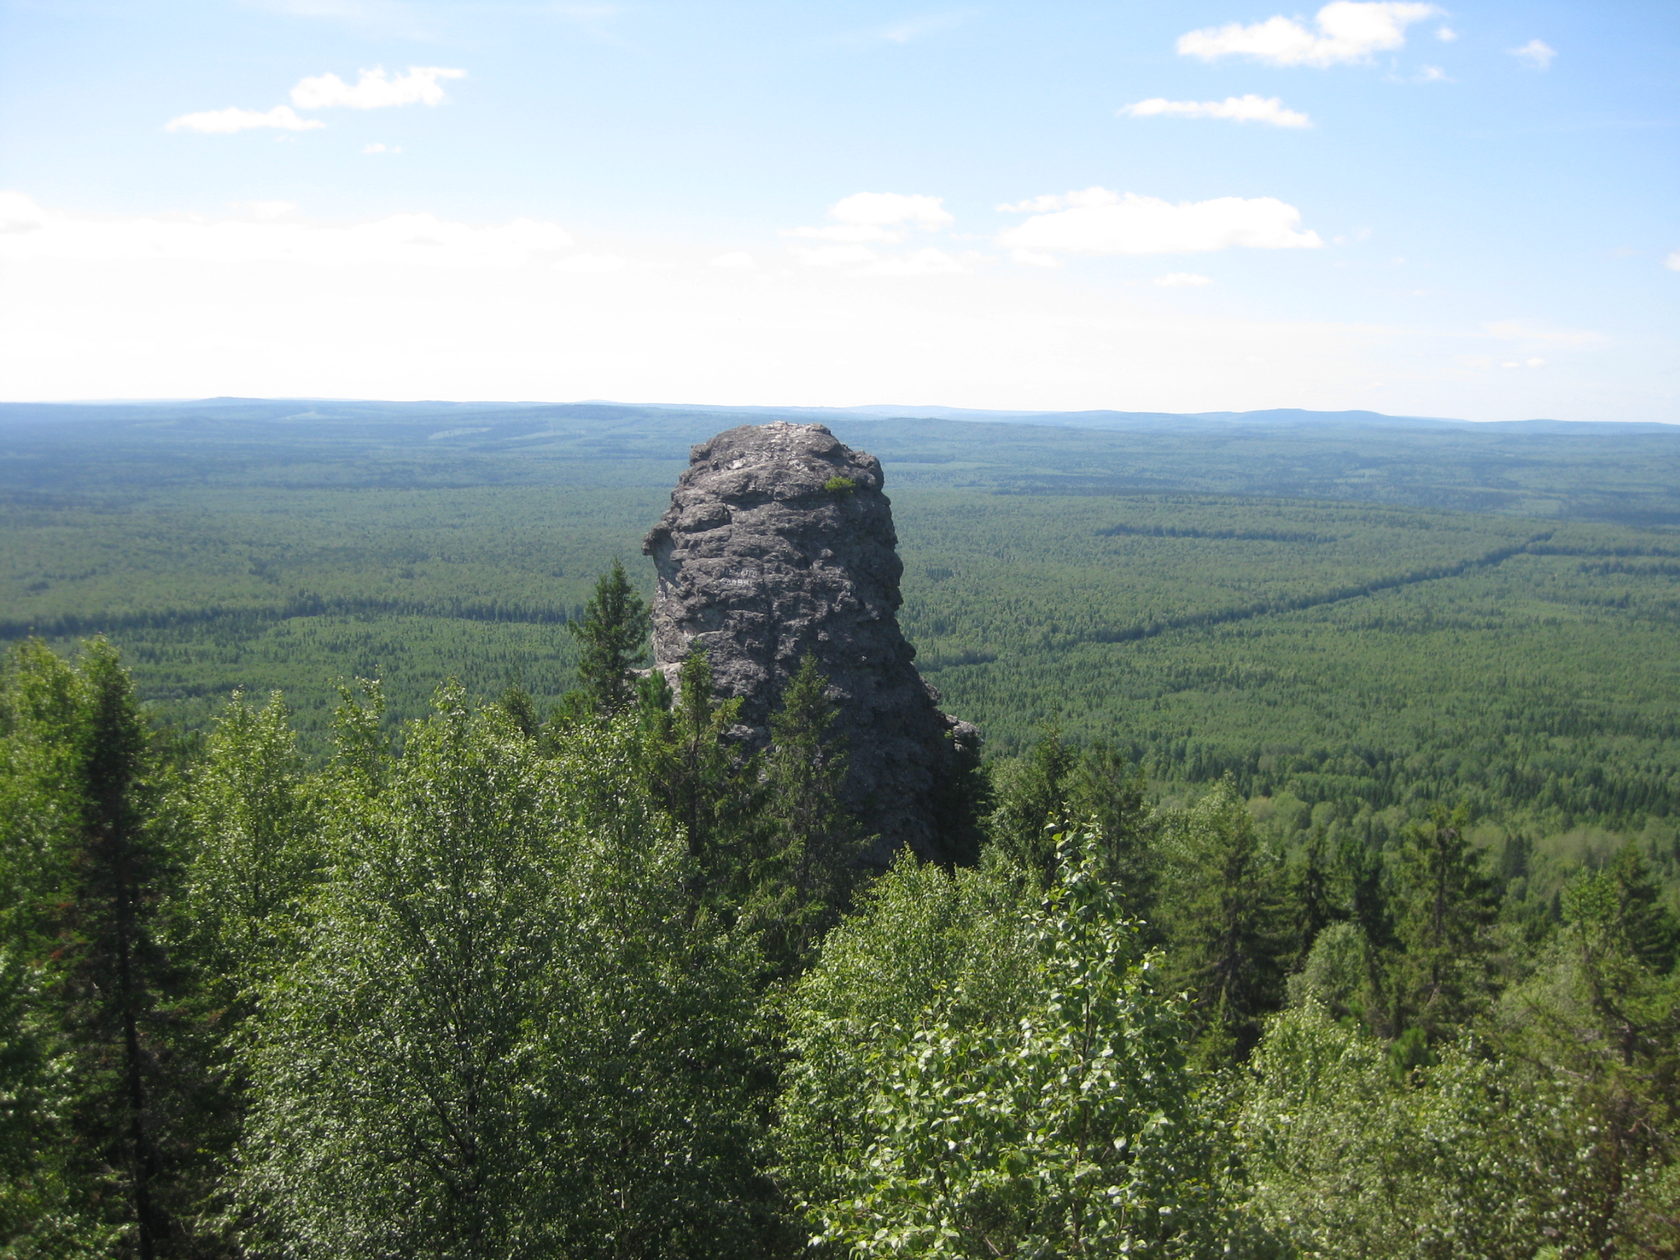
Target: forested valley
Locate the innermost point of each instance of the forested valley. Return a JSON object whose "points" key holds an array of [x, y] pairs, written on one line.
{"points": [[356, 899]]}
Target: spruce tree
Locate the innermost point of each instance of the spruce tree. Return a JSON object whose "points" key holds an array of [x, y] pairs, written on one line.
{"points": [[612, 641], [809, 847], [1222, 914], [1446, 907]]}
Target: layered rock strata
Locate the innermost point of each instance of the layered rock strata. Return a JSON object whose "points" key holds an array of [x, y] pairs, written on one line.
{"points": [[779, 542]]}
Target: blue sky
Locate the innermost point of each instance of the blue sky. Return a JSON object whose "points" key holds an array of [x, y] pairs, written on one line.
{"points": [[1461, 210]]}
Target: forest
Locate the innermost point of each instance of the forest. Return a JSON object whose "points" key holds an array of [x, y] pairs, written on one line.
{"points": [[357, 900]]}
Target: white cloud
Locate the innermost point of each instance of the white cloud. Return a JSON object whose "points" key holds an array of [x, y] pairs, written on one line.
{"points": [[1059, 201], [227, 121], [867, 218], [1536, 52], [882, 209], [1250, 108], [735, 260], [1446, 34], [1348, 31], [376, 147], [1034, 258], [1182, 280], [272, 236], [1097, 221], [1672, 262], [1432, 74], [421, 85], [20, 214]]}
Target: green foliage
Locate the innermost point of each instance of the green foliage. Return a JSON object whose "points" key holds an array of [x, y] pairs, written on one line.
{"points": [[1054, 786], [805, 856], [1221, 909], [612, 640], [1443, 974], [82, 979], [1032, 798], [701, 778], [1599, 1021], [253, 823], [504, 1037], [1461, 1158], [1025, 1096], [839, 485]]}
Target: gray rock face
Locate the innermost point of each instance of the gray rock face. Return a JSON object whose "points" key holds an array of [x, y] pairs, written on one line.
{"points": [[779, 542]]}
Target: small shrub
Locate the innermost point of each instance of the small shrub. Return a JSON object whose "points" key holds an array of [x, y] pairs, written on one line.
{"points": [[839, 485]]}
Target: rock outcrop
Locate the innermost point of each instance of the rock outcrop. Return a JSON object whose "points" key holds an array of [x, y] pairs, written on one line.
{"points": [[779, 542]]}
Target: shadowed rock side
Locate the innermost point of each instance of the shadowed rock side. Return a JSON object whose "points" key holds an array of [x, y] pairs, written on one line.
{"points": [[779, 542]]}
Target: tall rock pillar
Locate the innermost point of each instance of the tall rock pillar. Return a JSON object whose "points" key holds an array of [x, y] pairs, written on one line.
{"points": [[779, 542]]}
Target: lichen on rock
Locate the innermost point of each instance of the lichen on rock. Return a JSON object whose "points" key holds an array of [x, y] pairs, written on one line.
{"points": [[779, 542]]}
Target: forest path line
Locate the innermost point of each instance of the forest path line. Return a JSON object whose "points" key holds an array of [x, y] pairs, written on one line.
{"points": [[69, 625], [1341, 594]]}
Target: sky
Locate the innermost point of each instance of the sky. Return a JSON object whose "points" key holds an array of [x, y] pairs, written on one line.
{"points": [[1464, 210]]}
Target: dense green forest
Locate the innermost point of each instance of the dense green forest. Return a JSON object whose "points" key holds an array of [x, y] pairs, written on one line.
{"points": [[1327, 905]]}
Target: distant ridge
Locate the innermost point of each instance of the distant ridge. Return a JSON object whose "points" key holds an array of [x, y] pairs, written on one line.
{"points": [[1274, 418]]}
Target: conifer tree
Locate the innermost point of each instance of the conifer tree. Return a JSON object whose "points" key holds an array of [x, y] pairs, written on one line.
{"points": [[1032, 797], [1446, 907], [1222, 914], [809, 845], [1107, 792], [612, 641], [85, 931], [700, 777]]}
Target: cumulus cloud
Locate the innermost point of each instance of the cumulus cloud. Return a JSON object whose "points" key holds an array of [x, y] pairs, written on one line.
{"points": [[1250, 108], [1672, 262], [1446, 34], [274, 235], [376, 148], [869, 218], [1346, 31], [1536, 53], [227, 121], [421, 85], [1097, 221], [1182, 280]]}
